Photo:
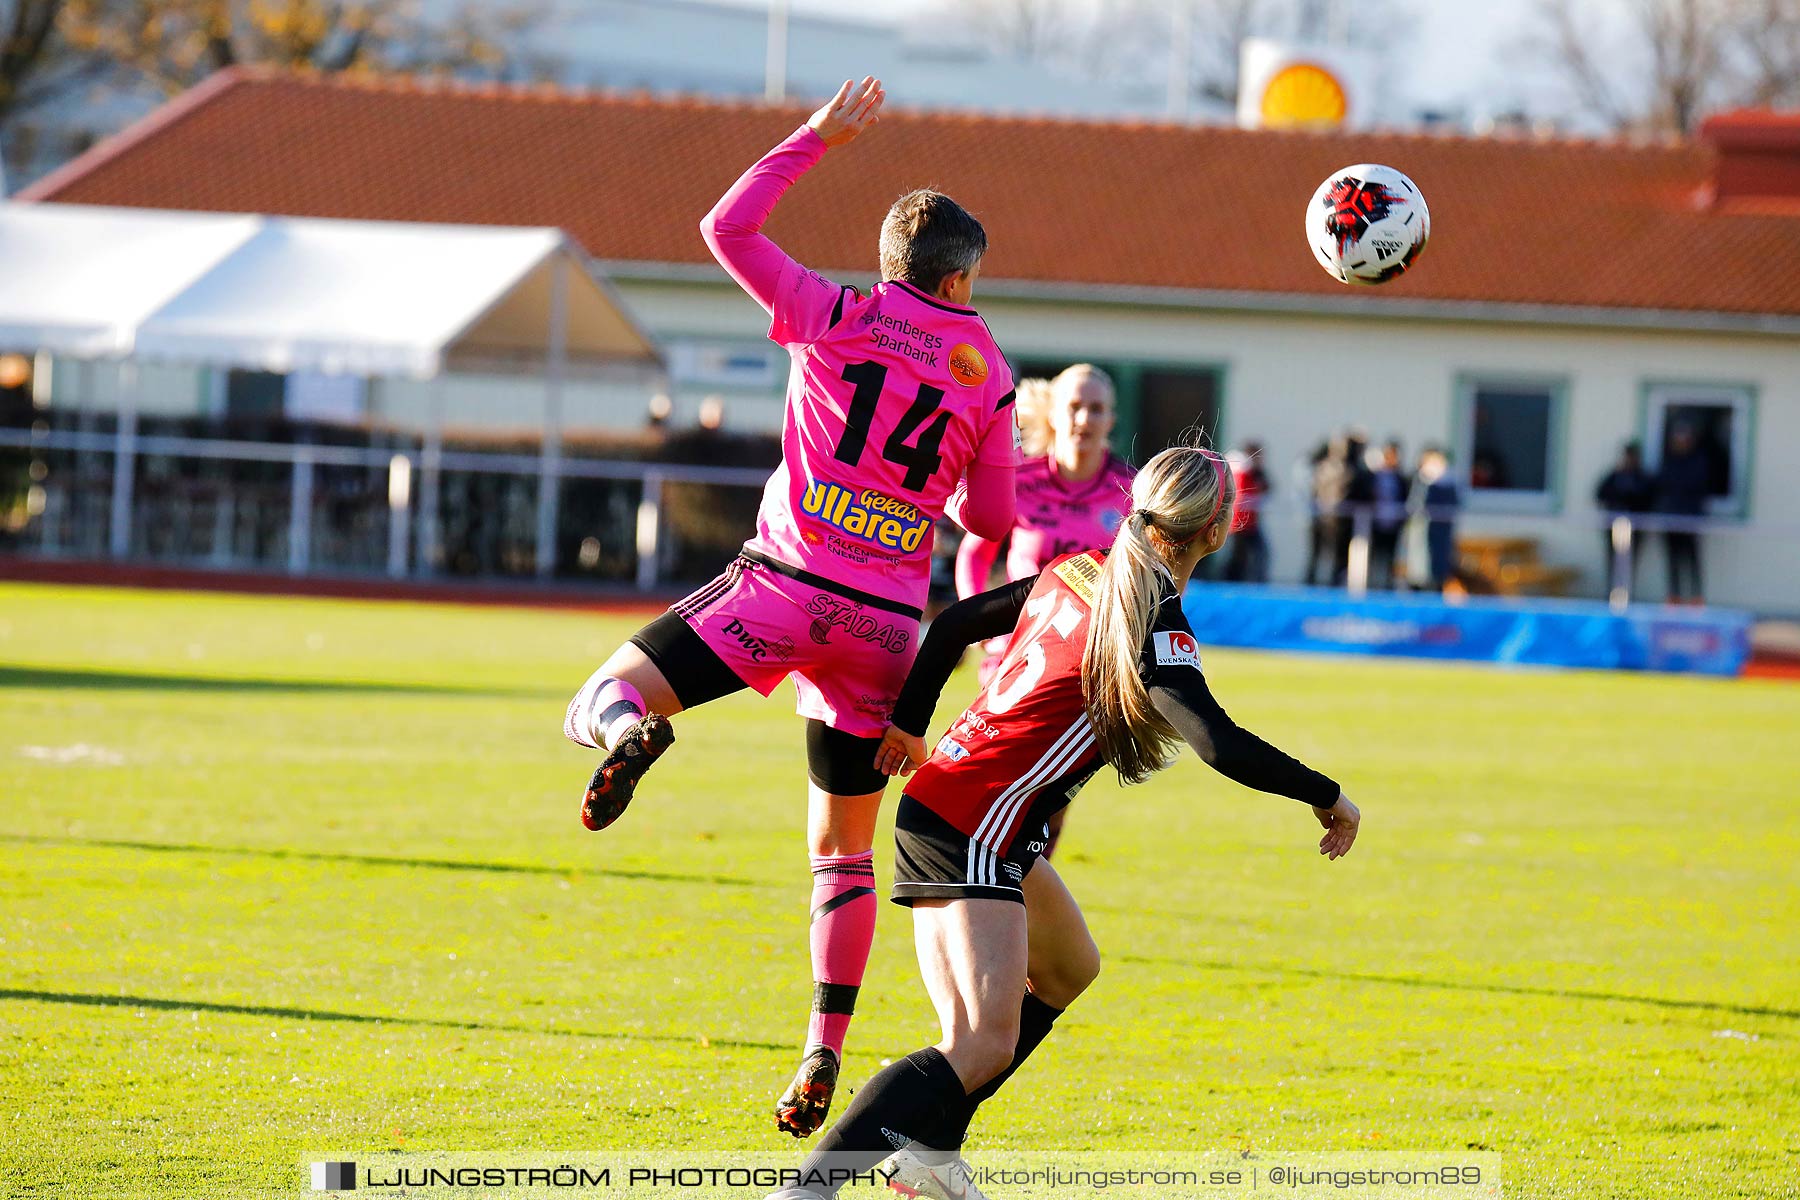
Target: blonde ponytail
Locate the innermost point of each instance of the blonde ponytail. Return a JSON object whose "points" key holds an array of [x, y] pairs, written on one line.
{"points": [[1181, 494], [1032, 406]]}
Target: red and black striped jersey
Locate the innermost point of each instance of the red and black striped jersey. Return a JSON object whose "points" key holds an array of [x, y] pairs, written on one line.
{"points": [[1027, 733], [1024, 747]]}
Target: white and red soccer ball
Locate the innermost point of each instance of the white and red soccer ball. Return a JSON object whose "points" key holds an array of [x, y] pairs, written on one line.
{"points": [[1367, 223]]}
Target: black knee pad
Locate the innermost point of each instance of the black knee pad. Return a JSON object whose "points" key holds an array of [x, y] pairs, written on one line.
{"points": [[842, 763]]}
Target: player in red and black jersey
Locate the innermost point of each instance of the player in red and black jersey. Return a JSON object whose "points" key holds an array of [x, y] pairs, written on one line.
{"points": [[1102, 668]]}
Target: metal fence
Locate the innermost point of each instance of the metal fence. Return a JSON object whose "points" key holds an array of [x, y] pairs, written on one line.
{"points": [[409, 508], [404, 509]]}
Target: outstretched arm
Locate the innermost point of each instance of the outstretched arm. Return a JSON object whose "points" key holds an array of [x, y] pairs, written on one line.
{"points": [[958, 627], [733, 229], [1184, 700]]}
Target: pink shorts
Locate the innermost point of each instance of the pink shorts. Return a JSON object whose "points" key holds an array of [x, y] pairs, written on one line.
{"points": [[848, 652]]}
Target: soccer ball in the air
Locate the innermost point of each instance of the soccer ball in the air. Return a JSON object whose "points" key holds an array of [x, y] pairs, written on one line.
{"points": [[1367, 223]]}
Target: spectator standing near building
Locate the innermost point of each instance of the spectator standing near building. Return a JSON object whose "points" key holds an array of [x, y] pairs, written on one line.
{"points": [[1329, 483], [1388, 486], [1359, 499], [1431, 527], [1626, 490], [1249, 559], [1682, 486]]}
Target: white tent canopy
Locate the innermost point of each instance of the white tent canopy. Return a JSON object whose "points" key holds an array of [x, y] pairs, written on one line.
{"points": [[80, 281], [289, 294], [285, 294]]}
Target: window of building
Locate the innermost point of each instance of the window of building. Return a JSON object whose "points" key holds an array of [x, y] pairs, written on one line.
{"points": [[1509, 435], [1172, 405], [1719, 418]]}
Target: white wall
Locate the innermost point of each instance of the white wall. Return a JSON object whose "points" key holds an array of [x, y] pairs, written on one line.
{"points": [[1290, 381]]}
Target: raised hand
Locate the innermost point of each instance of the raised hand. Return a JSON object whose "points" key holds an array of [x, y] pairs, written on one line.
{"points": [[855, 107], [1341, 821]]}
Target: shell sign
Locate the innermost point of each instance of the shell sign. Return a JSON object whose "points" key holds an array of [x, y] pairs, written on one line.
{"points": [[1284, 86]]}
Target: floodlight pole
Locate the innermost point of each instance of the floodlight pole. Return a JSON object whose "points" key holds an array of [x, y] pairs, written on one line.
{"points": [[431, 458], [1181, 47], [124, 462], [549, 461], [649, 532], [775, 56], [300, 503]]}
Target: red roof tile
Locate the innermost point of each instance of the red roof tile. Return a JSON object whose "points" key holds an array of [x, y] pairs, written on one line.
{"points": [[1590, 223]]}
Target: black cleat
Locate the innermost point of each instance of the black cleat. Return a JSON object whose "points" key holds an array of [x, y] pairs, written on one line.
{"points": [[614, 781], [802, 1108]]}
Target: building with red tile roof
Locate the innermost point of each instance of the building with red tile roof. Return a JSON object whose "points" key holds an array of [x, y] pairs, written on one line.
{"points": [[1591, 224], [1576, 294]]}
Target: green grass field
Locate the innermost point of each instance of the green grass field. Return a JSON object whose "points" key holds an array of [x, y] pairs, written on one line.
{"points": [[280, 875]]}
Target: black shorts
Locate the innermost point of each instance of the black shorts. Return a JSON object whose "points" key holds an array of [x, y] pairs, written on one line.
{"points": [[934, 860], [841, 763]]}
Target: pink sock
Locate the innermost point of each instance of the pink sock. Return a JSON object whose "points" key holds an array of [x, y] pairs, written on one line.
{"points": [[617, 707], [843, 929]]}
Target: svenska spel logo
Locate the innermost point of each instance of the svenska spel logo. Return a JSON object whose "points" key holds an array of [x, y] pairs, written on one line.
{"points": [[1177, 649], [334, 1177]]}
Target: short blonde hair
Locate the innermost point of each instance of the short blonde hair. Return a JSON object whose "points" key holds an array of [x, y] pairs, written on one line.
{"points": [[1075, 376]]}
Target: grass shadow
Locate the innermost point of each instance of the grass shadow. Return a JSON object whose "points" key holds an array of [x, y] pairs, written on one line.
{"points": [[384, 860], [129, 681], [1453, 985], [286, 1013]]}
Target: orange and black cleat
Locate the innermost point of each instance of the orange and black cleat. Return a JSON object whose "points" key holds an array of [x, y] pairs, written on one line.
{"points": [[611, 788], [802, 1108]]}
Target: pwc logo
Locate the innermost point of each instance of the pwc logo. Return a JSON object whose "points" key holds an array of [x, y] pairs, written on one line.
{"points": [[1177, 649], [967, 366]]}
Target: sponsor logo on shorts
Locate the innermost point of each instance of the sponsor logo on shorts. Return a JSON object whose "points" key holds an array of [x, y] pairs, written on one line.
{"points": [[1015, 872], [952, 749], [874, 706], [830, 613], [1177, 649], [759, 649], [967, 366], [1037, 845], [867, 514]]}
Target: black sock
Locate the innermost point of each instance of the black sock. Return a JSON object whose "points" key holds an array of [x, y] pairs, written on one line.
{"points": [[1035, 1020], [919, 1092]]}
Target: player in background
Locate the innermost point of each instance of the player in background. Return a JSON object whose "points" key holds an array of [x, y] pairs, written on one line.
{"points": [[898, 411], [1102, 669], [1071, 496]]}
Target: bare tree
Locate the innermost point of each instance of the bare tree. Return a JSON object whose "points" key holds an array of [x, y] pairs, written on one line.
{"points": [[1660, 66], [28, 27], [175, 43], [1134, 38], [1770, 52], [1033, 29]]}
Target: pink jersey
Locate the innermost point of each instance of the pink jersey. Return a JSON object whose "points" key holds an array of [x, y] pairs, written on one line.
{"points": [[892, 397], [1054, 517]]}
